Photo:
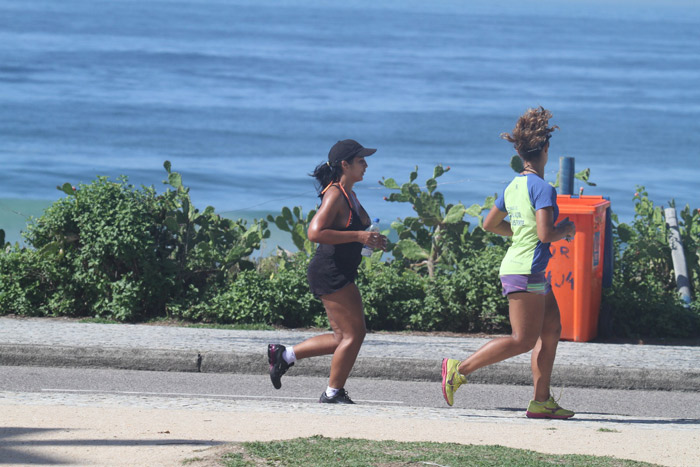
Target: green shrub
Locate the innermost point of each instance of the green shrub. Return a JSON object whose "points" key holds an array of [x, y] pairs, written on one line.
{"points": [[467, 299], [689, 224], [438, 233], [114, 251], [277, 294], [643, 300], [293, 304], [22, 283], [391, 294], [96, 254]]}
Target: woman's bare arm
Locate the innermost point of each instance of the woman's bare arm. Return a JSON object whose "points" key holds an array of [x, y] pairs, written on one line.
{"points": [[495, 222], [547, 232]]}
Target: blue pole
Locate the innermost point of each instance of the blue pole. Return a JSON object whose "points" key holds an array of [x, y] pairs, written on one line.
{"points": [[608, 260], [566, 175]]}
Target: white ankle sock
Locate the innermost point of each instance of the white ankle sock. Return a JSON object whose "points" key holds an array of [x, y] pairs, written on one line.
{"points": [[331, 392], [289, 355]]}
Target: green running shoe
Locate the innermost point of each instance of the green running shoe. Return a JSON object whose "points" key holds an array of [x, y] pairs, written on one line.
{"points": [[451, 379], [547, 409]]}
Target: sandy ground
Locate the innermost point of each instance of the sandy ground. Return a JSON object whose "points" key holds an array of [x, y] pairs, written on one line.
{"points": [[126, 432]]}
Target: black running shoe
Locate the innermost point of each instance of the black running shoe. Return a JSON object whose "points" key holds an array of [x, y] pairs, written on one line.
{"points": [[278, 365], [341, 397]]}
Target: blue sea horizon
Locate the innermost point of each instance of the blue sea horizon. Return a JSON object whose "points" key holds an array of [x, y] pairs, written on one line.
{"points": [[246, 98]]}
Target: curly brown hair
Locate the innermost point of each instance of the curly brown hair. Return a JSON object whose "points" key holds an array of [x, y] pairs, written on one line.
{"points": [[531, 133]]}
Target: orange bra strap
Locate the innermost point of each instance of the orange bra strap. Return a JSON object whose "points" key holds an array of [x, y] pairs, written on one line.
{"points": [[346, 197]]}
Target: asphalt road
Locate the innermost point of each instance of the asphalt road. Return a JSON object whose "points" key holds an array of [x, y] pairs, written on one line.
{"points": [[216, 386]]}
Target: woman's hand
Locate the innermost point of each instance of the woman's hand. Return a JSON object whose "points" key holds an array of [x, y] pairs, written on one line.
{"points": [[547, 232], [568, 228], [374, 240]]}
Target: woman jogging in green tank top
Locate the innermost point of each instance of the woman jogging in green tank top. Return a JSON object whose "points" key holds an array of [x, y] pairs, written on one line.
{"points": [[531, 205]]}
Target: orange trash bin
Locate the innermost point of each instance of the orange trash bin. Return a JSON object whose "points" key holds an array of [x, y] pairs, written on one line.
{"points": [[576, 268]]}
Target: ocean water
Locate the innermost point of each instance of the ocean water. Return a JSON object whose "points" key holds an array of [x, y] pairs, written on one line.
{"points": [[245, 98]]}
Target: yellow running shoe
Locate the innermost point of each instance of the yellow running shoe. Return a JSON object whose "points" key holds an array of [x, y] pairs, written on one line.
{"points": [[451, 379], [547, 409]]}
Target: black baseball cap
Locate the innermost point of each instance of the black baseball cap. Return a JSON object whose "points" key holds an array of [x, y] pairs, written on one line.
{"points": [[346, 149]]}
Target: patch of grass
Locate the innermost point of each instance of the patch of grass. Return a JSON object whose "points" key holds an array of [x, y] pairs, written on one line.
{"points": [[235, 460], [192, 460], [321, 451], [608, 430]]}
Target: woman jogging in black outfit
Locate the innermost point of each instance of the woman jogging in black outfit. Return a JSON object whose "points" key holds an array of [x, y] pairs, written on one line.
{"points": [[339, 229]]}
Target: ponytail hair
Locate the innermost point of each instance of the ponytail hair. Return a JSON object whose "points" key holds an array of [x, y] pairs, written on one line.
{"points": [[327, 173]]}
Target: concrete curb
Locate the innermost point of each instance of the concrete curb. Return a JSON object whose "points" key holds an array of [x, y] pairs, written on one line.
{"points": [[98, 357], [400, 369]]}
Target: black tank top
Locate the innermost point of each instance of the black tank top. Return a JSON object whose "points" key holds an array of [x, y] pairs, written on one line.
{"points": [[347, 256]]}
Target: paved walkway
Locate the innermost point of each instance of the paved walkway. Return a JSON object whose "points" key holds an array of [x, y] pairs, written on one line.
{"points": [[66, 428], [57, 342], [99, 429]]}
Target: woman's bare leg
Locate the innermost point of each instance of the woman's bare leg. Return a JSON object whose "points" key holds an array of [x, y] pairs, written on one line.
{"points": [[323, 344], [545, 351], [526, 311], [347, 319]]}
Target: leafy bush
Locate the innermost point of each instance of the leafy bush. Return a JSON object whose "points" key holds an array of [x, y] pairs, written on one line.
{"points": [[469, 298], [438, 233], [111, 250], [277, 294], [297, 226], [114, 251], [23, 283], [395, 298], [391, 294], [689, 225], [95, 253], [643, 299], [292, 303]]}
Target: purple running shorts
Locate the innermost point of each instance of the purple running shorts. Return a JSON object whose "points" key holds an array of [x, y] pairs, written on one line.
{"points": [[536, 283]]}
